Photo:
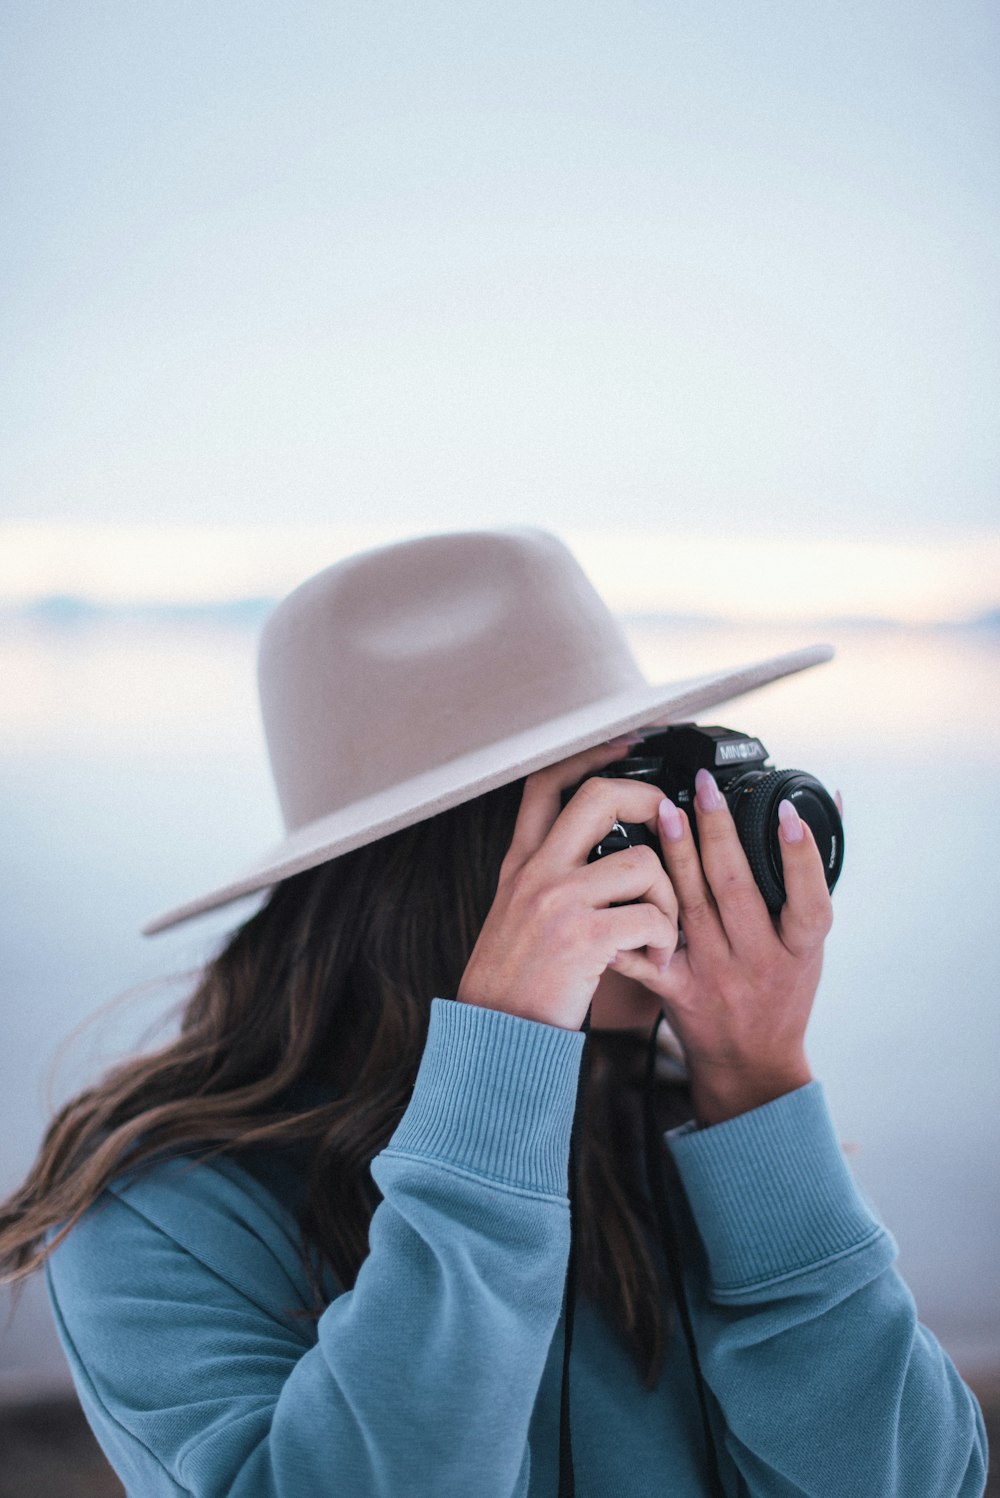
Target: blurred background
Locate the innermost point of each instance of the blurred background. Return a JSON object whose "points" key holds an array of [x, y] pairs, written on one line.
{"points": [[711, 291]]}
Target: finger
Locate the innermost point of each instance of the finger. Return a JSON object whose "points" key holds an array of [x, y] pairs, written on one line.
{"points": [[631, 875], [633, 928], [744, 915], [807, 914], [698, 912], [541, 798], [591, 814], [669, 981]]}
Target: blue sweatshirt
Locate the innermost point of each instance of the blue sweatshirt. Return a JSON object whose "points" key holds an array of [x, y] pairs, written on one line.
{"points": [[181, 1297]]}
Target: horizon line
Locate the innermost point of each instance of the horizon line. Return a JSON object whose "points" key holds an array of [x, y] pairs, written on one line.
{"points": [[775, 578], [69, 610]]}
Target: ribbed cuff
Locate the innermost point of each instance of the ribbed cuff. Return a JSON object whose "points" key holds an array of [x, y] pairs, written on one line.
{"points": [[771, 1192], [495, 1094]]}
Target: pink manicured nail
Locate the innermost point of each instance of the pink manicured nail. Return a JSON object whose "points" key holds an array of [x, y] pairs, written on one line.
{"points": [[671, 821], [707, 793], [791, 826]]}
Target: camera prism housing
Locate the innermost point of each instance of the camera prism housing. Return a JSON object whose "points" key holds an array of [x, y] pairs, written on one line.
{"points": [[671, 757]]}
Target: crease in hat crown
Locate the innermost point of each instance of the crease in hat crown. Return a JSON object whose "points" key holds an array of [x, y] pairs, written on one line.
{"points": [[399, 659], [403, 680]]}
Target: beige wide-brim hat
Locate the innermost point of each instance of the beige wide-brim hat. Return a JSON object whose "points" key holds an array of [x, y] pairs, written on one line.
{"points": [[408, 679]]}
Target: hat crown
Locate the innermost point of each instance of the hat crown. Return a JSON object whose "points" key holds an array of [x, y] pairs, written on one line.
{"points": [[395, 661]]}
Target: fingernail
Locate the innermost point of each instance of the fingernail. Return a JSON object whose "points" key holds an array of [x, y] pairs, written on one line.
{"points": [[625, 742], [840, 802], [671, 821], [791, 825], [707, 793]]}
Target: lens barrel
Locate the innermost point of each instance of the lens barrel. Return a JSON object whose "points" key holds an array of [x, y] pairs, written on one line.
{"points": [[753, 800]]}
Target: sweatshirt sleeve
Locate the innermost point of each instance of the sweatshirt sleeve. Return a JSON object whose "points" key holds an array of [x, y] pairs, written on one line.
{"points": [[799, 1310], [424, 1375]]}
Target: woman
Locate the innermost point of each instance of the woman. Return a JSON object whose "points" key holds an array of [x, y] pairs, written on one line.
{"points": [[318, 1244]]}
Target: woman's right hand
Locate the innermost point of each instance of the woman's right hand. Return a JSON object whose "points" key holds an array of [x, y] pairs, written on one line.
{"points": [[551, 931]]}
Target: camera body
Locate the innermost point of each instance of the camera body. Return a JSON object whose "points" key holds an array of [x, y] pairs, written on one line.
{"points": [[669, 758]]}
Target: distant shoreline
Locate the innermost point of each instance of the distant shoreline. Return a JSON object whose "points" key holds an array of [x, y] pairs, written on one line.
{"points": [[69, 611]]}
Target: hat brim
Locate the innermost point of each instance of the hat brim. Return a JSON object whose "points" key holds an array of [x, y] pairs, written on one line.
{"points": [[483, 770]]}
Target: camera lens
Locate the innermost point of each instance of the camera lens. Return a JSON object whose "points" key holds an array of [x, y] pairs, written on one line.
{"points": [[753, 800]]}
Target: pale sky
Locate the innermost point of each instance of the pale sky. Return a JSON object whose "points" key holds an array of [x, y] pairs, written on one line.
{"points": [[698, 269]]}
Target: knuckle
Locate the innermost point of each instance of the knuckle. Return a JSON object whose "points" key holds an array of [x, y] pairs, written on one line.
{"points": [[593, 792], [624, 862], [716, 828], [559, 928], [568, 932], [649, 861], [664, 930], [638, 859], [565, 924], [664, 896], [591, 931], [817, 917], [529, 896], [696, 910], [545, 902], [741, 895], [809, 927]]}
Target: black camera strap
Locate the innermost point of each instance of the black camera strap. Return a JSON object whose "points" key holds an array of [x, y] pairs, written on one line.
{"points": [[670, 1241], [654, 1163], [567, 1482]]}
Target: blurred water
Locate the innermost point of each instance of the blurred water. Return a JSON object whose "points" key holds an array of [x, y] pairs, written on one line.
{"points": [[133, 775]]}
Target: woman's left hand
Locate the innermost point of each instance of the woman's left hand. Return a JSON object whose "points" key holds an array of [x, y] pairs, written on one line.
{"points": [[738, 994]]}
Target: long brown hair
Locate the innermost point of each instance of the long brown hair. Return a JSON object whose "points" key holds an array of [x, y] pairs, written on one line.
{"points": [[325, 993]]}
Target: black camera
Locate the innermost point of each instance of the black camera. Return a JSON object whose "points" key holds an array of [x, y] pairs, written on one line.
{"points": [[670, 758]]}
